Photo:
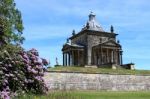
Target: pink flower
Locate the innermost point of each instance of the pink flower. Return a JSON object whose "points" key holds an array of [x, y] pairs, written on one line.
{"points": [[11, 75], [15, 72], [4, 95], [6, 75], [29, 68], [37, 63], [15, 78], [25, 56], [7, 88], [5, 81], [4, 68], [26, 61], [39, 78], [30, 81], [9, 65], [26, 81], [45, 62], [34, 71], [13, 62], [41, 74]]}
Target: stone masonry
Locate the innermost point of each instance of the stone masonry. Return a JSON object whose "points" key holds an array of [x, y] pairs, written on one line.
{"points": [[107, 82]]}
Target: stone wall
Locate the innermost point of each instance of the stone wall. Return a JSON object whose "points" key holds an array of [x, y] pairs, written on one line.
{"points": [[81, 81], [80, 40], [93, 40]]}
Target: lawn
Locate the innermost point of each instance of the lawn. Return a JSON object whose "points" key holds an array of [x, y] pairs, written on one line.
{"points": [[99, 70], [89, 95]]}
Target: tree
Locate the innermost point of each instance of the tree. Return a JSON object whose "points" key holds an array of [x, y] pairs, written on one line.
{"points": [[20, 70], [11, 25]]}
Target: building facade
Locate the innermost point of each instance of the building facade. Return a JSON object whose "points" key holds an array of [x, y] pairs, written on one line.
{"points": [[92, 46]]}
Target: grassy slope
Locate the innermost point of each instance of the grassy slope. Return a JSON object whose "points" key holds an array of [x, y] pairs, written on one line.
{"points": [[90, 95], [100, 70], [93, 94]]}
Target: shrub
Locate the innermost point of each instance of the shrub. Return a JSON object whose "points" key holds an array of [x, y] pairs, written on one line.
{"points": [[21, 71]]}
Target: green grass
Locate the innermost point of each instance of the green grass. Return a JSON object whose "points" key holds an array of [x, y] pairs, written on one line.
{"points": [[89, 95], [99, 70]]}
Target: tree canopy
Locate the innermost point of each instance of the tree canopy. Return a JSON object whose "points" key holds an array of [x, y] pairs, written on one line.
{"points": [[20, 71], [11, 25]]}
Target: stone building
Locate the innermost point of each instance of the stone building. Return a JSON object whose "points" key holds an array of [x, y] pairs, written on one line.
{"points": [[92, 46]]}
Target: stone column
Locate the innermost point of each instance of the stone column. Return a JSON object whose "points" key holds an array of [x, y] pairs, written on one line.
{"points": [[72, 52], [111, 56], [121, 57], [118, 57], [83, 55], [107, 57], [101, 55], [66, 59], [78, 57], [95, 57], [82, 58], [89, 55], [114, 56], [69, 59], [63, 59], [92, 60], [98, 62]]}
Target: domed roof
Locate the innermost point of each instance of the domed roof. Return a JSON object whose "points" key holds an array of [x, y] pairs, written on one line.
{"points": [[92, 24]]}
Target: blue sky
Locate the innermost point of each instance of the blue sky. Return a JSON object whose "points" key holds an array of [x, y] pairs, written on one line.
{"points": [[48, 23]]}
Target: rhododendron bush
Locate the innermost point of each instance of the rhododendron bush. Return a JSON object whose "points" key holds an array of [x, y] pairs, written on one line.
{"points": [[21, 71]]}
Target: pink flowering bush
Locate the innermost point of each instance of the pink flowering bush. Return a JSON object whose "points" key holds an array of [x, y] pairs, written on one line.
{"points": [[34, 71], [21, 71]]}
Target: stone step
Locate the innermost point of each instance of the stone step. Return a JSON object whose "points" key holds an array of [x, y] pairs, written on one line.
{"points": [[91, 66]]}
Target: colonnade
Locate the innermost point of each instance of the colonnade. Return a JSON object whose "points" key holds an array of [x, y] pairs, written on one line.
{"points": [[106, 55], [73, 57]]}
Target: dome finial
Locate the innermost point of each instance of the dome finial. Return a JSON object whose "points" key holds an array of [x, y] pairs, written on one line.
{"points": [[112, 29], [118, 41], [87, 25], [67, 40], [92, 24], [91, 16], [73, 32]]}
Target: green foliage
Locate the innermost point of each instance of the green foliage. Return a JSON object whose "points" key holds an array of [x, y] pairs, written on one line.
{"points": [[11, 25], [11, 76], [21, 71], [99, 70]]}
